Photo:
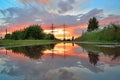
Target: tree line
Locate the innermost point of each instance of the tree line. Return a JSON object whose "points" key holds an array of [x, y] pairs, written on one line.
{"points": [[31, 32]]}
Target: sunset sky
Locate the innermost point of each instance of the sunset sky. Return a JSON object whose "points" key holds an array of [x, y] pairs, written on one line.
{"points": [[18, 14]]}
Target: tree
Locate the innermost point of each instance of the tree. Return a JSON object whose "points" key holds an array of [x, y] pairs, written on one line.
{"points": [[49, 36], [93, 24], [17, 35], [8, 36], [34, 32]]}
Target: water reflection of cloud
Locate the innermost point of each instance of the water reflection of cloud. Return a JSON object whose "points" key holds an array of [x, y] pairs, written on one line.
{"points": [[67, 73], [6, 67], [67, 69], [33, 69]]}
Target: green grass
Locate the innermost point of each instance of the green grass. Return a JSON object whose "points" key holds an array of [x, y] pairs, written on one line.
{"points": [[109, 34], [24, 42]]}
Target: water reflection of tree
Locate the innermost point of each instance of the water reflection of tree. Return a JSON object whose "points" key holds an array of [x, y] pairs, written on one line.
{"points": [[34, 52], [112, 52], [93, 57]]}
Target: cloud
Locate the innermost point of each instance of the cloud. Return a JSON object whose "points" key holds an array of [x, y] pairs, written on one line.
{"points": [[21, 16], [34, 15], [98, 13], [43, 1], [65, 6], [6, 67], [62, 74], [34, 1]]}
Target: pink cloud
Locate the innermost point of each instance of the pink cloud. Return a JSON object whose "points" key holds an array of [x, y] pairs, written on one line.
{"points": [[44, 1], [107, 21], [36, 1]]}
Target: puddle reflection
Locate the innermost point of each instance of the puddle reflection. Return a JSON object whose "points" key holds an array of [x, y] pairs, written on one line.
{"points": [[62, 61]]}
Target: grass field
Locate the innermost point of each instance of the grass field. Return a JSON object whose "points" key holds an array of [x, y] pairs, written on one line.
{"points": [[24, 42]]}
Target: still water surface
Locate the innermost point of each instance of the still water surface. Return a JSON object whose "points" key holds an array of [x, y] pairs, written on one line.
{"points": [[61, 61]]}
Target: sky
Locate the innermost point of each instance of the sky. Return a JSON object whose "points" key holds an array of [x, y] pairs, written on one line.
{"points": [[18, 14]]}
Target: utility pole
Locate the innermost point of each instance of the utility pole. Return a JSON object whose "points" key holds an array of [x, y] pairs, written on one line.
{"points": [[82, 32], [6, 30], [52, 29], [64, 31]]}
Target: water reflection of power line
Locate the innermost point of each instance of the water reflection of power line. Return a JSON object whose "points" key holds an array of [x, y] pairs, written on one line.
{"points": [[83, 50], [52, 54], [73, 43], [6, 51], [64, 49]]}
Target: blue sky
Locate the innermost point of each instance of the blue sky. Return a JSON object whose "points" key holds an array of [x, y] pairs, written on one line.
{"points": [[107, 5], [5, 4]]}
